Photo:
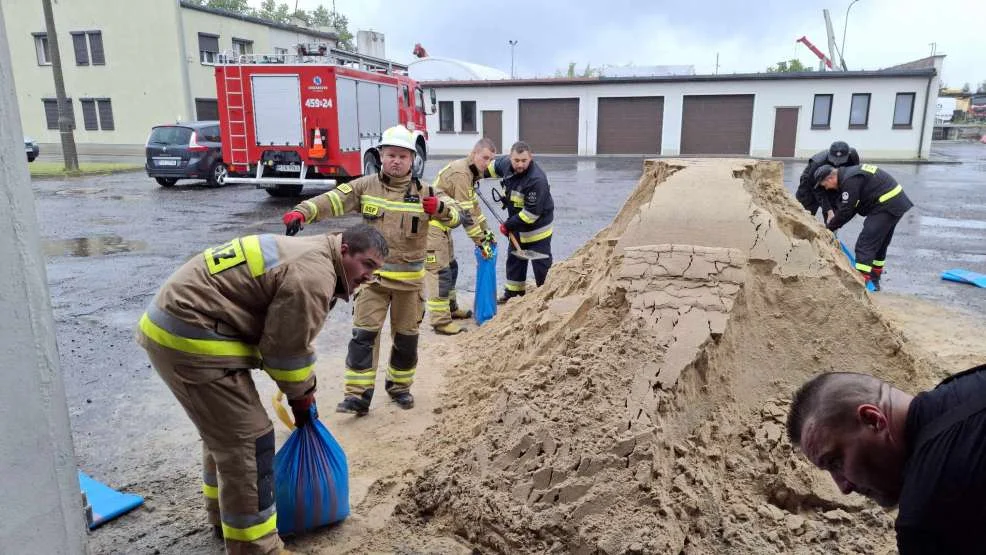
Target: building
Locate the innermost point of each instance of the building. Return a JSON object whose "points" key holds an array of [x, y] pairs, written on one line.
{"points": [[885, 114], [131, 65], [435, 68]]}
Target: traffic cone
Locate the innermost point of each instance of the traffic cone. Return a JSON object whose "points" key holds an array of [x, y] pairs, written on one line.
{"points": [[318, 146]]}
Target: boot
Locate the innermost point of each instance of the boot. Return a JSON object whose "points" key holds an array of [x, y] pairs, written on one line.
{"points": [[354, 405], [875, 274], [403, 398], [450, 328], [507, 295], [217, 531], [461, 313]]}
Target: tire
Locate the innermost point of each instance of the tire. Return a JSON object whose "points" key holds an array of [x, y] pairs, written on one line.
{"points": [[282, 191], [371, 165], [217, 175], [166, 181], [418, 168]]}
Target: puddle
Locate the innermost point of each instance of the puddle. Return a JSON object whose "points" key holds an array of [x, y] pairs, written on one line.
{"points": [[90, 246], [81, 191], [949, 222]]}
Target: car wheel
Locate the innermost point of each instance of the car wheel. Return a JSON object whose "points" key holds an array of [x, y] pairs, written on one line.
{"points": [[166, 181], [217, 175], [418, 169], [370, 164], [285, 191]]}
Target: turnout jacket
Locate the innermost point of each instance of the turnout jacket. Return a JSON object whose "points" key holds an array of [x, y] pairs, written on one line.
{"points": [[865, 189], [808, 175], [458, 180], [393, 206], [527, 198], [253, 302]]}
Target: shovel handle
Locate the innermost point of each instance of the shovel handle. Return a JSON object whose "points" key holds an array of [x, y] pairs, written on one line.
{"points": [[513, 240]]}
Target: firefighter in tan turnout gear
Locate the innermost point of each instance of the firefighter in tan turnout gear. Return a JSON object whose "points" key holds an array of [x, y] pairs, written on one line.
{"points": [[254, 302], [457, 180], [401, 207]]}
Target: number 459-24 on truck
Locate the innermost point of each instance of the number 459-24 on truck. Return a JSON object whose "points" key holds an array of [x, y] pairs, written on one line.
{"points": [[313, 118]]}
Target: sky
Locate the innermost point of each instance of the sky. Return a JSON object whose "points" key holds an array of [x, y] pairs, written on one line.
{"points": [[747, 36]]}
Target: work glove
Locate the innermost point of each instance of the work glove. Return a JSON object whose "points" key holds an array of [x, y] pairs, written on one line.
{"points": [[301, 409], [504, 230], [431, 205], [293, 222], [486, 245]]}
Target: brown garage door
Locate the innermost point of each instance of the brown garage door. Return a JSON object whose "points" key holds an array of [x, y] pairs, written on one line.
{"points": [[630, 125], [550, 125], [717, 124]]}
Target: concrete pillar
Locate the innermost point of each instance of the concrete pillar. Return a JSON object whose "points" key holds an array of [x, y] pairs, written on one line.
{"points": [[41, 511]]}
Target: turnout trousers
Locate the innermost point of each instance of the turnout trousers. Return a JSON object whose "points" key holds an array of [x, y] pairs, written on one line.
{"points": [[517, 268]]}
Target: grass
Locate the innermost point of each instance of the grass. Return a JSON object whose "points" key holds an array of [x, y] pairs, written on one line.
{"points": [[57, 169]]}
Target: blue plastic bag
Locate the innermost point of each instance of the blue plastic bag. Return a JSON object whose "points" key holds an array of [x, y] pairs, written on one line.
{"points": [[311, 478], [484, 306]]}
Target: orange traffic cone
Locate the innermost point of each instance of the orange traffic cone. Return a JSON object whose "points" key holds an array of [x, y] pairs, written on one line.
{"points": [[318, 146]]}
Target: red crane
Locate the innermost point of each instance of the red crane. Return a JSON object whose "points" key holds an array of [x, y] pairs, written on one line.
{"points": [[821, 55]]}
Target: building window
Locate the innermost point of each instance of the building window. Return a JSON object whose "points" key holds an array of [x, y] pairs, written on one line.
{"points": [[89, 120], [468, 116], [821, 113], [242, 47], [105, 109], [41, 49], [51, 112], [97, 113], [206, 109], [903, 110], [208, 48], [859, 111], [84, 42], [446, 117]]}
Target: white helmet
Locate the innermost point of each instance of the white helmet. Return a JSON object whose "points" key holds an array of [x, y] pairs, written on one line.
{"points": [[398, 135]]}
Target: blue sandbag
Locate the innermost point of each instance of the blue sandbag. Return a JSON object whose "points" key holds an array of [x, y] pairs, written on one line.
{"points": [[311, 479], [484, 306], [852, 262], [965, 276], [106, 502]]}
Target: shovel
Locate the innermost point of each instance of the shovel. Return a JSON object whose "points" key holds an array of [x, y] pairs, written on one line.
{"points": [[520, 253]]}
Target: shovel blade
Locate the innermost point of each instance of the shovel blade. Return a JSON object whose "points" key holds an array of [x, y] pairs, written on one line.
{"points": [[529, 255]]}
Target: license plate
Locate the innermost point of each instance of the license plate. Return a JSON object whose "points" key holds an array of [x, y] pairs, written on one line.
{"points": [[166, 161], [288, 168]]}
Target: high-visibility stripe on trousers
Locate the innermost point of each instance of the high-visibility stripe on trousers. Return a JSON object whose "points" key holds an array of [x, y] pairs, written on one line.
{"points": [[517, 268], [874, 239]]}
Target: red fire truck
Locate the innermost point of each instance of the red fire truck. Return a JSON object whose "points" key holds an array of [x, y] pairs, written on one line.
{"points": [[313, 118]]}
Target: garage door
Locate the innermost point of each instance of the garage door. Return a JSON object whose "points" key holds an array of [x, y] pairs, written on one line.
{"points": [[550, 125], [630, 125], [717, 124]]}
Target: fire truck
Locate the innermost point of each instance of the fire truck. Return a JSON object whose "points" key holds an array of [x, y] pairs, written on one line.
{"points": [[314, 117]]}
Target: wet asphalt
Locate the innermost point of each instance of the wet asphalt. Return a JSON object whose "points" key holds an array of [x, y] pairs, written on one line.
{"points": [[110, 241]]}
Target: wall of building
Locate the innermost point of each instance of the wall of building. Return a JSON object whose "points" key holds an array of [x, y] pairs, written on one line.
{"points": [[877, 141]]}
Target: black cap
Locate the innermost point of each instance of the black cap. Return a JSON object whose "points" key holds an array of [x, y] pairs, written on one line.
{"points": [[839, 153], [822, 172]]}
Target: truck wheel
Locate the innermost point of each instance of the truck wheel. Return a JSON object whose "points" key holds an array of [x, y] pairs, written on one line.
{"points": [[370, 164], [418, 169], [166, 181], [282, 191], [217, 175]]}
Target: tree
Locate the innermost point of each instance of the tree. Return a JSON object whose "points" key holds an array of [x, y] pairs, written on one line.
{"points": [[570, 73], [793, 65], [967, 88], [271, 11], [981, 88]]}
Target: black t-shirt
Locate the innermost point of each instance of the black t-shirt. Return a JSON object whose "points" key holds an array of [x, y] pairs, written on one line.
{"points": [[943, 501]]}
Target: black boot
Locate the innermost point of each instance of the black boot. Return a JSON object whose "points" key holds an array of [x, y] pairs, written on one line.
{"points": [[360, 406], [507, 295], [403, 398]]}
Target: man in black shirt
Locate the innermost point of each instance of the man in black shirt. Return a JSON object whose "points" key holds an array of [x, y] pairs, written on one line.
{"points": [[926, 453], [838, 155]]}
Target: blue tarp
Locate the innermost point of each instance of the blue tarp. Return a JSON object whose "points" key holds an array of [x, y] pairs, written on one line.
{"points": [[965, 276], [852, 262], [106, 502], [484, 306]]}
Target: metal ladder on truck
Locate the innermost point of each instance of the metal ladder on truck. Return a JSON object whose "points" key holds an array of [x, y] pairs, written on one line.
{"points": [[235, 116]]}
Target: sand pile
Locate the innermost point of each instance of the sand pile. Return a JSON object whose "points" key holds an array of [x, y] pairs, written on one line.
{"points": [[635, 404]]}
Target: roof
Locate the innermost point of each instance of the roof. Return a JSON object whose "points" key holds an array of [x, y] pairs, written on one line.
{"points": [[437, 68], [260, 21], [561, 81]]}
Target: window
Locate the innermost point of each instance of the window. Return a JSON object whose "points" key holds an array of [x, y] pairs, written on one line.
{"points": [[97, 113], [280, 54], [206, 109], [210, 134], [859, 111], [446, 117], [41, 48], [468, 116], [821, 113], [903, 110], [242, 46], [407, 95], [419, 98], [51, 112], [208, 48], [84, 42]]}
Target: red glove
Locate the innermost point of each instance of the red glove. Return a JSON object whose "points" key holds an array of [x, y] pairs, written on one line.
{"points": [[430, 204], [503, 229], [301, 409], [293, 221]]}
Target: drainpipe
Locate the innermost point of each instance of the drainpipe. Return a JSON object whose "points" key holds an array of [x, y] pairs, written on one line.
{"points": [[183, 70], [924, 117]]}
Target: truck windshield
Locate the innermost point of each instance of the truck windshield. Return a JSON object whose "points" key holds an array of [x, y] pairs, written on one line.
{"points": [[419, 99]]}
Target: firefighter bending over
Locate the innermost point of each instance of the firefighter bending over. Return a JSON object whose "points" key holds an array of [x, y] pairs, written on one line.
{"points": [[401, 207], [458, 180], [254, 302], [812, 198]]}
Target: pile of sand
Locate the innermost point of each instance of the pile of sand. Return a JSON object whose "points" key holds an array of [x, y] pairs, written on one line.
{"points": [[636, 403]]}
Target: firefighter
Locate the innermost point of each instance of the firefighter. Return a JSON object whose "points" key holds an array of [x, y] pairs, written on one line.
{"points": [[868, 191], [526, 196], [812, 198], [254, 302], [401, 207], [458, 180]]}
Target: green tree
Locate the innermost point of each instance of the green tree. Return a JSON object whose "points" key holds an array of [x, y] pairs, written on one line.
{"points": [[235, 6], [793, 65], [271, 11], [571, 73]]}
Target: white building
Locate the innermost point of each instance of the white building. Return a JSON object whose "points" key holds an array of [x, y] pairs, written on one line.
{"points": [[130, 65], [886, 114]]}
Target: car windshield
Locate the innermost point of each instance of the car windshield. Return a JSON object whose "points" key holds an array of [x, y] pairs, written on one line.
{"points": [[170, 135]]}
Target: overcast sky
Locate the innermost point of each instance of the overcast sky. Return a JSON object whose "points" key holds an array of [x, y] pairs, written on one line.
{"points": [[747, 35]]}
